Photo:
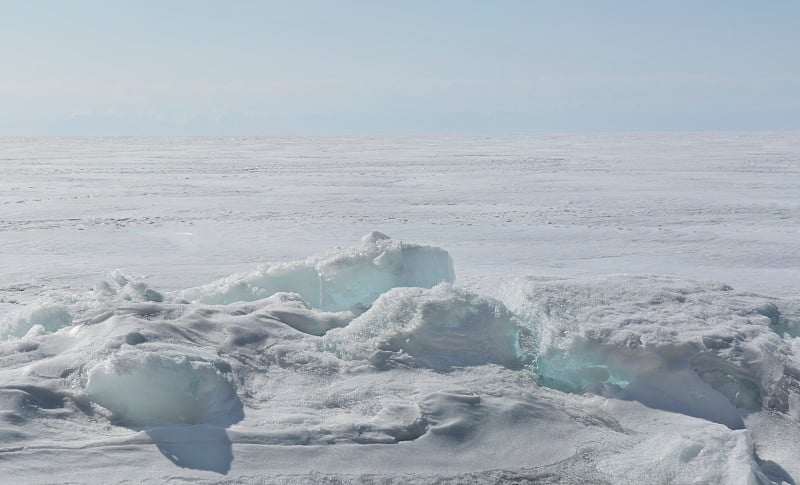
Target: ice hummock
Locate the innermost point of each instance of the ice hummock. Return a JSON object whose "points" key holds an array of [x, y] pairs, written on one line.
{"points": [[555, 379], [696, 348], [148, 388], [338, 280], [440, 328]]}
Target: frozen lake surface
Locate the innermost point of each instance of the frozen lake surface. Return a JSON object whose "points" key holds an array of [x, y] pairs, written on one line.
{"points": [[181, 211], [619, 308]]}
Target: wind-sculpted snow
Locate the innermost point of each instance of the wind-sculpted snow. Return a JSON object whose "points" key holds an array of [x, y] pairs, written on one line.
{"points": [[258, 378]]}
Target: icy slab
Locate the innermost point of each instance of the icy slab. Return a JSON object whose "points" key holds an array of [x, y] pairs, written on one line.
{"points": [[439, 328], [338, 280], [701, 349], [147, 388]]}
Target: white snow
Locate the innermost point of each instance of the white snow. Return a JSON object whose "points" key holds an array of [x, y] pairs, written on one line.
{"points": [[439, 328], [150, 388], [201, 310]]}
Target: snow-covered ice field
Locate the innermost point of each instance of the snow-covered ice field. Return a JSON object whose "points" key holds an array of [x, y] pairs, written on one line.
{"points": [[615, 308]]}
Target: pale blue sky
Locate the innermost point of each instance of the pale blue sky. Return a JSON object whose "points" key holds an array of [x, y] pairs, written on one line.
{"points": [[339, 66]]}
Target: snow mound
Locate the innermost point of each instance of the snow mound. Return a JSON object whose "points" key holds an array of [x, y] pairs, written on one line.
{"points": [[696, 348], [144, 388], [439, 328], [339, 280]]}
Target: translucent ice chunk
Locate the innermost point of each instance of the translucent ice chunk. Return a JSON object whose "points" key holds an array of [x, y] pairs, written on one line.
{"points": [[438, 328], [147, 388], [341, 279]]}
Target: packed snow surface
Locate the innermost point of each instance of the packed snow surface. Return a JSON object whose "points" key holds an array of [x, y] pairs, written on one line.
{"points": [[368, 360]]}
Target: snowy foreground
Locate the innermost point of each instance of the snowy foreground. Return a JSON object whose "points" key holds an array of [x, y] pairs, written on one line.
{"points": [[574, 309]]}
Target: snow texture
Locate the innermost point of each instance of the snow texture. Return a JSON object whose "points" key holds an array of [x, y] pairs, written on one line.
{"points": [[582, 343]]}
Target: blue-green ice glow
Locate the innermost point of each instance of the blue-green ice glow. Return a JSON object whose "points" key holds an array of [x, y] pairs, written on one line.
{"points": [[577, 372]]}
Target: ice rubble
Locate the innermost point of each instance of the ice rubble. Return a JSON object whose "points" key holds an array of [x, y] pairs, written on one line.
{"points": [[696, 348], [138, 348], [374, 345]]}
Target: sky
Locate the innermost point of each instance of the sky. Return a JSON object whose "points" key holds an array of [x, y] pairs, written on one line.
{"points": [[171, 67]]}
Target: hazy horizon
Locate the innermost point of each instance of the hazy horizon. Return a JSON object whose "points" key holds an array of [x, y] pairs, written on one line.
{"points": [[412, 135], [354, 67]]}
